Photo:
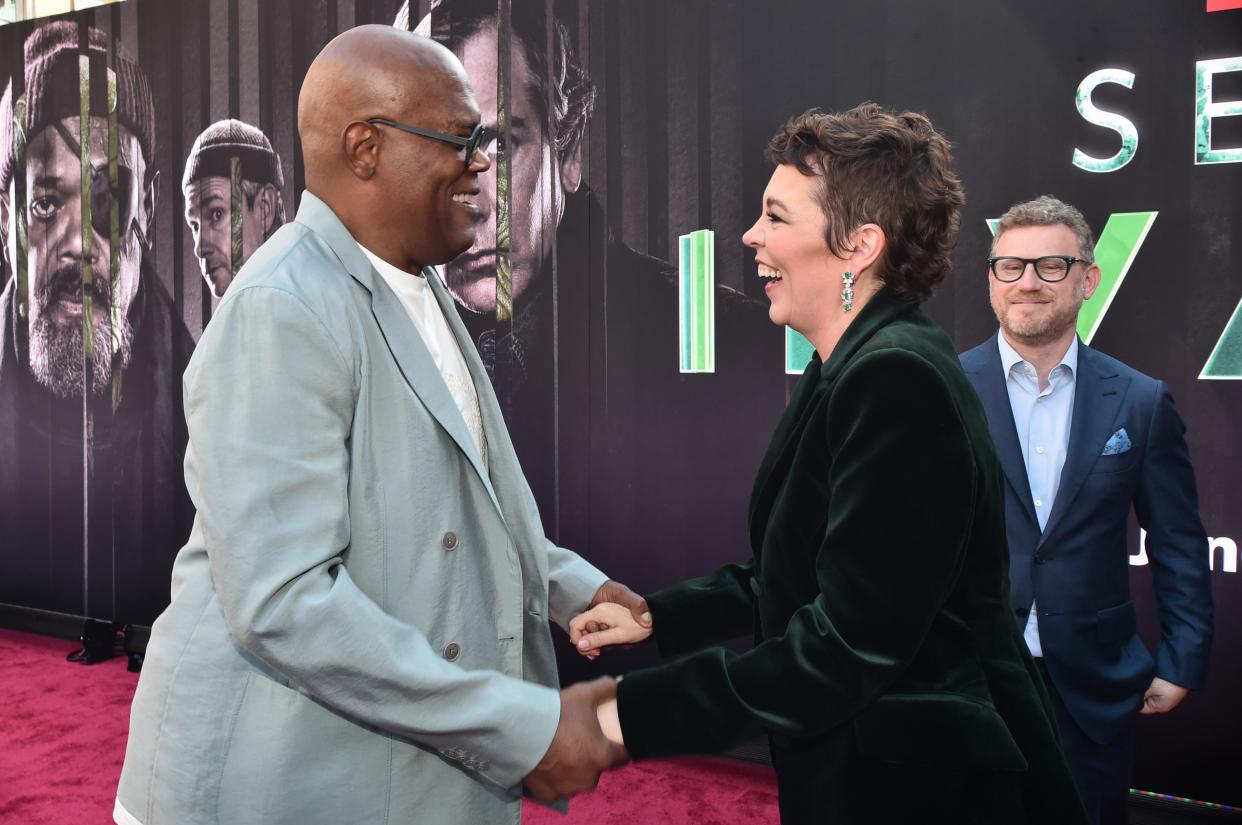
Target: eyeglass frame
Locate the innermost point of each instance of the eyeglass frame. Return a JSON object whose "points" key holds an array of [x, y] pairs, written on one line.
{"points": [[470, 144], [1070, 260]]}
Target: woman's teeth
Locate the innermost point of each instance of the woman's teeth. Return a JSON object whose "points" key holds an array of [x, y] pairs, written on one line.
{"points": [[768, 272]]}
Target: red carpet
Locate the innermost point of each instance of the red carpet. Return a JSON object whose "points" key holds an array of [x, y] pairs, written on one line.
{"points": [[63, 739]]}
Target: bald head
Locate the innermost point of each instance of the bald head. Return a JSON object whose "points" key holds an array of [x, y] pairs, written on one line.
{"points": [[371, 71], [406, 196]]}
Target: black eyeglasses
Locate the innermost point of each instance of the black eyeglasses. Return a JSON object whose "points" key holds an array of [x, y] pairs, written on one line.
{"points": [[1049, 268], [471, 143]]}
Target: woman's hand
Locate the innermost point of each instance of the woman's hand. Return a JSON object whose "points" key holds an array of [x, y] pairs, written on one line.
{"points": [[606, 624]]}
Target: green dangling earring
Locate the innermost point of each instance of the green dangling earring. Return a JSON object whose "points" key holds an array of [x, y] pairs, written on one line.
{"points": [[847, 294]]}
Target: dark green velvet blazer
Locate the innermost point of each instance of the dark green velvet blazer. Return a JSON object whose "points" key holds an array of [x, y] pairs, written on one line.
{"points": [[888, 672]]}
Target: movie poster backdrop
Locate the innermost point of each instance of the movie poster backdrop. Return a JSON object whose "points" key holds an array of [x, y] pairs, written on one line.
{"points": [[147, 148]]}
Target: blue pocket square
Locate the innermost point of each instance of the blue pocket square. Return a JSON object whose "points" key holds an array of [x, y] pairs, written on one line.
{"points": [[1119, 443]]}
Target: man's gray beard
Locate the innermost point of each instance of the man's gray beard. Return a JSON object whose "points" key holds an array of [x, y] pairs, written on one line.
{"points": [[57, 355]]}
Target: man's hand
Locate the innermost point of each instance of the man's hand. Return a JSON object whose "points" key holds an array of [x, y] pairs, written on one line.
{"points": [[618, 593], [579, 752], [604, 625], [1162, 697]]}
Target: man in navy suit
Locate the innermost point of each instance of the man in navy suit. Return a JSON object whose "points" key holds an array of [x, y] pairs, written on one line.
{"points": [[1082, 438]]}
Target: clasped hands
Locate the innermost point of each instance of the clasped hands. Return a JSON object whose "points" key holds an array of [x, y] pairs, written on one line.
{"points": [[588, 739]]}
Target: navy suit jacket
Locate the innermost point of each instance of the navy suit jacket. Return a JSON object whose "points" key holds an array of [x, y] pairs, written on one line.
{"points": [[1076, 571]]}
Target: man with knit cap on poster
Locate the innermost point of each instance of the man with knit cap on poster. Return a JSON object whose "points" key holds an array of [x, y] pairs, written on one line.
{"points": [[92, 506], [222, 242]]}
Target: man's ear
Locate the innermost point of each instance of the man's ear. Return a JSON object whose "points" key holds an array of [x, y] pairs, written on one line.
{"points": [[1091, 280], [267, 207], [361, 145], [571, 169]]}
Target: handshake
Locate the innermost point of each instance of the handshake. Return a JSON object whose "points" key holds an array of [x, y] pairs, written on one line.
{"points": [[588, 738]]}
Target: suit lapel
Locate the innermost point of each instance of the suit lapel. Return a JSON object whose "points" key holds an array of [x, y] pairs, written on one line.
{"points": [[816, 382], [500, 453], [780, 450], [403, 339], [1098, 393], [994, 393]]}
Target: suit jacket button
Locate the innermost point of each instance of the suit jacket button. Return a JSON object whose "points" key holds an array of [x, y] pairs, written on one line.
{"points": [[755, 587], [449, 541], [1021, 612], [1040, 558], [451, 651]]}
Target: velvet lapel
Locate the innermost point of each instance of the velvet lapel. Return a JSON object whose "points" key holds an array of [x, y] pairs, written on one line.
{"points": [[404, 341], [781, 450], [1098, 393], [879, 312], [994, 393]]}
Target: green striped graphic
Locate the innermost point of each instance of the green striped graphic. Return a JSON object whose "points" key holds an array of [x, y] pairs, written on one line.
{"points": [[798, 352], [696, 301], [114, 238], [19, 205], [236, 246], [88, 275], [1114, 252], [1225, 362]]}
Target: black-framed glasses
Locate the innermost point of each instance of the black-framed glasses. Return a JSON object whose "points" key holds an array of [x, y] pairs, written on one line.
{"points": [[1050, 268], [471, 143]]}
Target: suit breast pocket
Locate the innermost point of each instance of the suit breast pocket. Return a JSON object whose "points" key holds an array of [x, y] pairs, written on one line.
{"points": [[1113, 479], [1117, 463]]}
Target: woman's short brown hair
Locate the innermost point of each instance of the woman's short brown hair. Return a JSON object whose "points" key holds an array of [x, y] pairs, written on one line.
{"points": [[887, 168]]}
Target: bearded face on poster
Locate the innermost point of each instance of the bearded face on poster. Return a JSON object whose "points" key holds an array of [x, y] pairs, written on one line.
{"points": [[81, 270], [92, 435]]}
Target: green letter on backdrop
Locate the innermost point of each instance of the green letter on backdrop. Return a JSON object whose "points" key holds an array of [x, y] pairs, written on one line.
{"points": [[1093, 114], [696, 301], [1225, 362], [1206, 109]]}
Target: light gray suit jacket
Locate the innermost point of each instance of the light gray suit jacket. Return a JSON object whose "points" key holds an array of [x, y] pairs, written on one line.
{"points": [[358, 628]]}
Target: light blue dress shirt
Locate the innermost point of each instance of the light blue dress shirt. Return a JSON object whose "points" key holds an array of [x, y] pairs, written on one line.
{"points": [[1042, 418]]}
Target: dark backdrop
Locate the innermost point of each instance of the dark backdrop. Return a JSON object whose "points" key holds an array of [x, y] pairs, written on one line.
{"points": [[689, 91]]}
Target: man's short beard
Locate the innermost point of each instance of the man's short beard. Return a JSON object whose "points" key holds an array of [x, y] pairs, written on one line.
{"points": [[1044, 331], [1047, 330], [58, 354]]}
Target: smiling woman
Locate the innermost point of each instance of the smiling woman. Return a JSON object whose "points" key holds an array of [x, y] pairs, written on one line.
{"points": [[886, 653]]}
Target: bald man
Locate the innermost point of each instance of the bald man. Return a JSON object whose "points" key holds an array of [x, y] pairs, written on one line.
{"points": [[358, 630]]}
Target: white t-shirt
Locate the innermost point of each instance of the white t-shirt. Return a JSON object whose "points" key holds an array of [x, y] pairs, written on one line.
{"points": [[421, 305]]}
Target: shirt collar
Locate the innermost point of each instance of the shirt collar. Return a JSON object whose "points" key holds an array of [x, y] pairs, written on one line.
{"points": [[1009, 356], [384, 268]]}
